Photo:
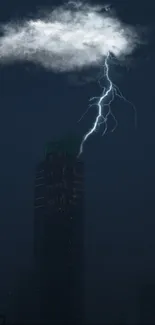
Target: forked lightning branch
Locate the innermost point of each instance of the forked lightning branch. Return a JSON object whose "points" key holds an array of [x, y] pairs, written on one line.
{"points": [[72, 37]]}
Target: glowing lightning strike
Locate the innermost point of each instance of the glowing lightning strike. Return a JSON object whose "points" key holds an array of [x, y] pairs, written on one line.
{"points": [[75, 36], [102, 117]]}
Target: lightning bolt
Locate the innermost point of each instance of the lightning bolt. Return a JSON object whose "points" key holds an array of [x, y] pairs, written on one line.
{"points": [[104, 105]]}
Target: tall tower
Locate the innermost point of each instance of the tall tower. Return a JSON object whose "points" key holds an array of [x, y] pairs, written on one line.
{"points": [[58, 233]]}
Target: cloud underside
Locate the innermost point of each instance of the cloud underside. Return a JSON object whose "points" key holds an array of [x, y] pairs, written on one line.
{"points": [[71, 37]]}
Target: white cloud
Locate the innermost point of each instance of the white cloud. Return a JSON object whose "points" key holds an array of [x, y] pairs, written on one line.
{"points": [[71, 37]]}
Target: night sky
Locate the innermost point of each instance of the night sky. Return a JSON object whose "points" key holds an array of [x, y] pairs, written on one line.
{"points": [[37, 105]]}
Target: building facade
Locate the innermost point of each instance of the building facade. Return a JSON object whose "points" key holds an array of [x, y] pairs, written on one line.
{"points": [[59, 234]]}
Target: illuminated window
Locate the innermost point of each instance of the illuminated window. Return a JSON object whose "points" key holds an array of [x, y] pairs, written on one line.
{"points": [[39, 177], [39, 198]]}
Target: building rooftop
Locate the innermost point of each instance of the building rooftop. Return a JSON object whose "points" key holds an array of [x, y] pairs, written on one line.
{"points": [[69, 144]]}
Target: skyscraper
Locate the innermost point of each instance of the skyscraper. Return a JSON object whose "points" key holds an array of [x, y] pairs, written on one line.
{"points": [[58, 233]]}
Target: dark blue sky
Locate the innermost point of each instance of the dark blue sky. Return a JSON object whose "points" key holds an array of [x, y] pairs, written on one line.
{"points": [[37, 105]]}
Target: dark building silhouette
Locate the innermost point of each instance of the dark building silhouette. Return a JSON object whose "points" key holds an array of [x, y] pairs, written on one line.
{"points": [[147, 304], [58, 234], [2, 319]]}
